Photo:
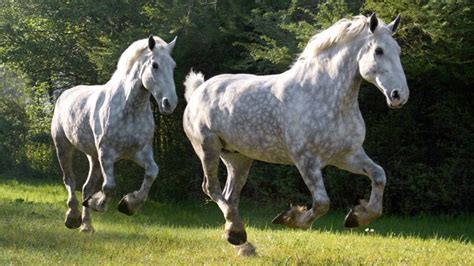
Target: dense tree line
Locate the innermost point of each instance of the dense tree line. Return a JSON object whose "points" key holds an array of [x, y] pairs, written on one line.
{"points": [[426, 148]]}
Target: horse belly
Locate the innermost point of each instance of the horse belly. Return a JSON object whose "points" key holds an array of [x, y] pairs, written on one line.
{"points": [[264, 148], [255, 132]]}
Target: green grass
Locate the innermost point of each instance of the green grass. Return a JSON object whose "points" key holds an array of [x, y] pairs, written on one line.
{"points": [[32, 233]]}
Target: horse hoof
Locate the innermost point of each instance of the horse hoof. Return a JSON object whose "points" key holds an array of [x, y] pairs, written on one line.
{"points": [[73, 220], [236, 237], [293, 218], [280, 218], [351, 220], [95, 202], [87, 228], [123, 207], [245, 250]]}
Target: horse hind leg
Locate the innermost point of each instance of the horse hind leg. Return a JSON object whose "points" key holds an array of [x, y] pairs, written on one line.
{"points": [[64, 151], [132, 201], [89, 188], [238, 167], [208, 147]]}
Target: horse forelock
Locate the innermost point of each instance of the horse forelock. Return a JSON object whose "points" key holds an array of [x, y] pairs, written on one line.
{"points": [[342, 31], [134, 53]]}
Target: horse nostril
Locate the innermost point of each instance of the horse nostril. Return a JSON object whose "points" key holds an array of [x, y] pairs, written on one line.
{"points": [[166, 104], [395, 95]]}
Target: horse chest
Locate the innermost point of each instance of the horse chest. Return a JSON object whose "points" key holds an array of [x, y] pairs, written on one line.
{"points": [[127, 133], [325, 133]]}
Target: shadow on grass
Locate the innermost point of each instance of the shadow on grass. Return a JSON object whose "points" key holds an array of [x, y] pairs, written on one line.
{"points": [[259, 216], [37, 228], [203, 214]]}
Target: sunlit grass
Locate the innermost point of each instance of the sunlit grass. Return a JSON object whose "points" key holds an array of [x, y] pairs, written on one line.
{"points": [[32, 233]]}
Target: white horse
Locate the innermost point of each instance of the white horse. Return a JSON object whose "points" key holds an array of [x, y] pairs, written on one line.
{"points": [[112, 122], [307, 116]]}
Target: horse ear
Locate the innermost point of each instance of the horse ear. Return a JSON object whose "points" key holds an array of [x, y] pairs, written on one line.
{"points": [[373, 22], [394, 24], [151, 42], [171, 45]]}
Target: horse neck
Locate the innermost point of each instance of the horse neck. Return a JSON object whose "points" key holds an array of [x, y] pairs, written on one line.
{"points": [[333, 75], [130, 93]]}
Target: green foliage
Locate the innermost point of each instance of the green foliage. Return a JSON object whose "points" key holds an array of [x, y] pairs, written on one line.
{"points": [[13, 132], [425, 148]]}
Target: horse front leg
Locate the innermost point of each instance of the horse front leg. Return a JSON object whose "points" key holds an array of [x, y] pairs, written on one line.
{"points": [[132, 201], [298, 217], [364, 213], [98, 201]]}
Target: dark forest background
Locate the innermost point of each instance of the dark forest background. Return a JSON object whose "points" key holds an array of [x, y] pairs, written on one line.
{"points": [[426, 148]]}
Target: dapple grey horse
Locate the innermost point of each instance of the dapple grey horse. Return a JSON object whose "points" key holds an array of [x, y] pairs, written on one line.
{"points": [[307, 116], [112, 122]]}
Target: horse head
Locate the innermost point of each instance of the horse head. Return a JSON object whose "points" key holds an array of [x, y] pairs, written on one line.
{"points": [[156, 75], [379, 62]]}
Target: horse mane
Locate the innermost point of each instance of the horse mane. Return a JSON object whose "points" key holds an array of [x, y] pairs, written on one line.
{"points": [[341, 31], [132, 54]]}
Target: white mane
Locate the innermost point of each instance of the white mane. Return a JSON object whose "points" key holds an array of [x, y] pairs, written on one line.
{"points": [[342, 31], [132, 54]]}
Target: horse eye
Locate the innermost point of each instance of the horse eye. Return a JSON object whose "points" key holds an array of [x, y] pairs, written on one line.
{"points": [[378, 51], [154, 65]]}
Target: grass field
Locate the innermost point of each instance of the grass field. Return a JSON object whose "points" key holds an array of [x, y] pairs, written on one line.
{"points": [[32, 233]]}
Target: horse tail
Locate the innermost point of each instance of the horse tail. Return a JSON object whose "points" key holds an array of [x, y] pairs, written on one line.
{"points": [[193, 80]]}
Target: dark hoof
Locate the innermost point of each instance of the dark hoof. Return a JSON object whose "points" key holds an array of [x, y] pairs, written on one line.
{"points": [[237, 238], [85, 203], [123, 207], [73, 223], [351, 220], [280, 218]]}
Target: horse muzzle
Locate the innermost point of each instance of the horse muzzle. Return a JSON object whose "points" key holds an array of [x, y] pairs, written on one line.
{"points": [[396, 99], [166, 106]]}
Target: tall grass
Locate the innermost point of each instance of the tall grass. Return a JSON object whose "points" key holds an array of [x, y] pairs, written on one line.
{"points": [[32, 232]]}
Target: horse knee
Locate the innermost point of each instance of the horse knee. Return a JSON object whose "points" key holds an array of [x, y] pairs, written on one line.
{"points": [[152, 170], [378, 176]]}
